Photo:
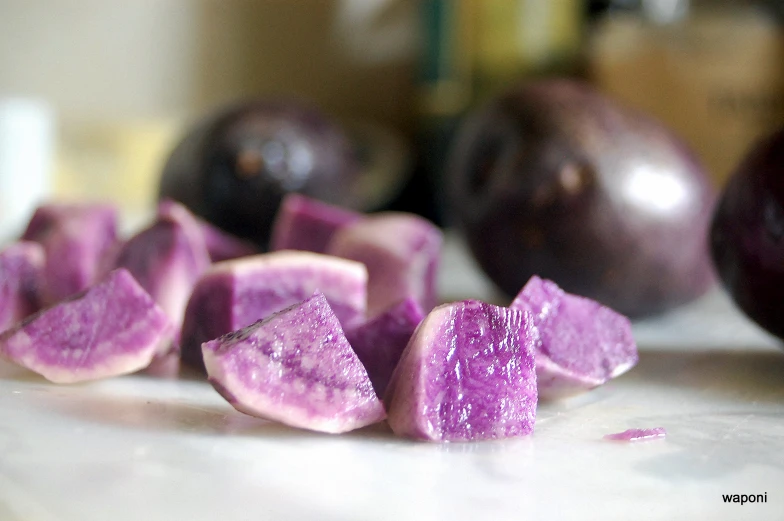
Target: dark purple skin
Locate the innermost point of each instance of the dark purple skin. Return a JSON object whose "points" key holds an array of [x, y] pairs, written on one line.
{"points": [[21, 269], [380, 341], [556, 180], [304, 223], [234, 167], [747, 234], [78, 240]]}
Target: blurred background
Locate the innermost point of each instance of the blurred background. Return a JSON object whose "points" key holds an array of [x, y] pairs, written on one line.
{"points": [[95, 93]]}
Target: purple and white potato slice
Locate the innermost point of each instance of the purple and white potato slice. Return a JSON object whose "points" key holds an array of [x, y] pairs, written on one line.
{"points": [[234, 294], [295, 367], [77, 239], [112, 328], [307, 224], [402, 253], [380, 341], [167, 259], [21, 269], [220, 245], [584, 344], [467, 374]]}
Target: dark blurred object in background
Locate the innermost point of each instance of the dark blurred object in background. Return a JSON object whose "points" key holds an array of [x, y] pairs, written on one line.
{"points": [[472, 49]]}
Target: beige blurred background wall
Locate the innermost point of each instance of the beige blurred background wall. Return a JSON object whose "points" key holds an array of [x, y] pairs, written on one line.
{"points": [[122, 76]]}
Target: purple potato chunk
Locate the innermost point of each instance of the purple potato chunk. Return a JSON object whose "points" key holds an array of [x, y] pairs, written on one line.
{"points": [[112, 328], [583, 344], [380, 341], [78, 241], [307, 224], [402, 253], [655, 433], [295, 367], [747, 234], [21, 268], [220, 245], [167, 259], [467, 374], [237, 293]]}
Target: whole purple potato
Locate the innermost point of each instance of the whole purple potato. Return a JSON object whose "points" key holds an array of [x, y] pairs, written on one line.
{"points": [[747, 234], [234, 167], [554, 179]]}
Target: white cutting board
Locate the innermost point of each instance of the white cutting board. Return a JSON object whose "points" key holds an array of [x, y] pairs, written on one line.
{"points": [[138, 448]]}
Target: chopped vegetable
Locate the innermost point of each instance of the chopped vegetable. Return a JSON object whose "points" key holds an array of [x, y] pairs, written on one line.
{"points": [[220, 245], [112, 328], [637, 434], [237, 293], [295, 367], [167, 259], [78, 240], [583, 344], [303, 223], [21, 268], [380, 341], [402, 253], [467, 374]]}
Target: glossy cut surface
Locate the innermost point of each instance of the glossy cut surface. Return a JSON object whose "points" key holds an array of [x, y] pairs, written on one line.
{"points": [[113, 328], [554, 179], [295, 367], [467, 375], [747, 234]]}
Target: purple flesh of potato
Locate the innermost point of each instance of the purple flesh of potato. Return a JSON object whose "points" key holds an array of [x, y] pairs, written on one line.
{"points": [[467, 374], [112, 328], [637, 434], [380, 341], [21, 268], [220, 245], [77, 239], [237, 293], [295, 367], [307, 224], [402, 253], [167, 259], [584, 344]]}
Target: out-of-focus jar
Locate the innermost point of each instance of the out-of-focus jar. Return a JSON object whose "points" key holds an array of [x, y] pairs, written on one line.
{"points": [[713, 70]]}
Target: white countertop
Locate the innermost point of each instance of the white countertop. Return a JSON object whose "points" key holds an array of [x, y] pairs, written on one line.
{"points": [[140, 448]]}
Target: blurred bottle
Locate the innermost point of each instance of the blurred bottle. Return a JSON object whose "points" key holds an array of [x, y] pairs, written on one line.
{"points": [[473, 49], [27, 130], [713, 70]]}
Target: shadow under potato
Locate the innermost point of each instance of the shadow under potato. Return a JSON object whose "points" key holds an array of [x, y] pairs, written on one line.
{"points": [[169, 415]]}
